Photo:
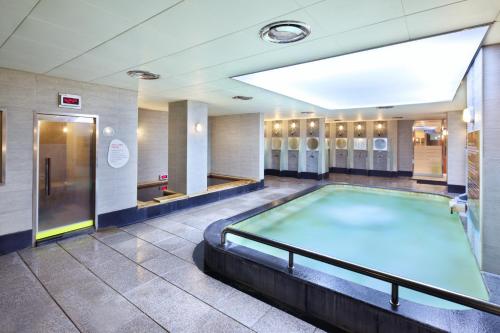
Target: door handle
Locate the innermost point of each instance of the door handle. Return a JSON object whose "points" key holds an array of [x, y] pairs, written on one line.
{"points": [[47, 176]]}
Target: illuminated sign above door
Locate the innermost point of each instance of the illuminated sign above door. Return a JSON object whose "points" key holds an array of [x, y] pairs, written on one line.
{"points": [[70, 101]]}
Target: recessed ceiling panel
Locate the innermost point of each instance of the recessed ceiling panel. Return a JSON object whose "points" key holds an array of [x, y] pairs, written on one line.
{"points": [[422, 71]]}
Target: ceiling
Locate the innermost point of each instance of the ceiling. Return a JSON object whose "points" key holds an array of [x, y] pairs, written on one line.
{"points": [[197, 45]]}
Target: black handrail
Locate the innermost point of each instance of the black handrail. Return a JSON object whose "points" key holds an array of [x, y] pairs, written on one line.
{"points": [[395, 280]]}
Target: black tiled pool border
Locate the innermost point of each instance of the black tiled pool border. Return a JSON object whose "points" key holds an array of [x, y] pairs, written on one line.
{"points": [[135, 214], [326, 299]]}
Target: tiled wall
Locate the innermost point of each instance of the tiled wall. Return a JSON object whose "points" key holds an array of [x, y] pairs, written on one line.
{"points": [[22, 94], [152, 145], [490, 182], [405, 145], [237, 145]]}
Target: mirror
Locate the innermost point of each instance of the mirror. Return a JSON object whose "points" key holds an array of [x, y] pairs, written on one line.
{"points": [[312, 143], [276, 144], [293, 143]]}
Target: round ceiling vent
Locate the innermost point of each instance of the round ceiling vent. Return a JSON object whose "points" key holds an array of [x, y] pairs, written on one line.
{"points": [[143, 75], [282, 32]]}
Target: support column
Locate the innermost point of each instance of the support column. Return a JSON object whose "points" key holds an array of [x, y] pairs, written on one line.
{"points": [[187, 146], [456, 152]]}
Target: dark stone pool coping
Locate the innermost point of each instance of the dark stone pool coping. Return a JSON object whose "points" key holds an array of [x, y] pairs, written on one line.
{"points": [[329, 300]]}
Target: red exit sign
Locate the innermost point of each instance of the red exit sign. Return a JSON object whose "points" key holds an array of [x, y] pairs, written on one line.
{"points": [[70, 101]]}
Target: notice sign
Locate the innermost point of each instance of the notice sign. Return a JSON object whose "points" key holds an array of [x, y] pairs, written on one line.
{"points": [[118, 154]]}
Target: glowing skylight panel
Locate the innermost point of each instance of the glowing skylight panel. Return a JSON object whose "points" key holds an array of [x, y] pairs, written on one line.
{"points": [[421, 71]]}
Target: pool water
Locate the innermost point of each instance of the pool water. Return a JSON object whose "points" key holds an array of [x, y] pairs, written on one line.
{"points": [[407, 234]]}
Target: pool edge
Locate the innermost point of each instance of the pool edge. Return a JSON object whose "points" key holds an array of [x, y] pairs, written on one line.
{"points": [[324, 298]]}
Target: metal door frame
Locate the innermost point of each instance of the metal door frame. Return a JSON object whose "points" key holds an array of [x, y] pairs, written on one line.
{"points": [[36, 138]]}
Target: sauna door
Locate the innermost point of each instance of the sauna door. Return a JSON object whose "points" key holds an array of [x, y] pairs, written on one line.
{"points": [[65, 162]]}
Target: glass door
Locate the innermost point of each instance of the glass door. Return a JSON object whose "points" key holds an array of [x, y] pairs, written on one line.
{"points": [[66, 174]]}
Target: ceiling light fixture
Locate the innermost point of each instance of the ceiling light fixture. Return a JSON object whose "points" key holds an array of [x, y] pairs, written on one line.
{"points": [[283, 32], [426, 70], [307, 112], [143, 75], [243, 98]]}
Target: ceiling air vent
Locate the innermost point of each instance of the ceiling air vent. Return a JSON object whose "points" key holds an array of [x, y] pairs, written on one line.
{"points": [[243, 98], [283, 32], [143, 75]]}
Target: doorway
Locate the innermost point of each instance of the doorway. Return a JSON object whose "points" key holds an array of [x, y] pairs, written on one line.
{"points": [[429, 139], [65, 174]]}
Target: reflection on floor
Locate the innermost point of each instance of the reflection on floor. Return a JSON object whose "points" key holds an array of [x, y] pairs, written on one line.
{"points": [[147, 277]]}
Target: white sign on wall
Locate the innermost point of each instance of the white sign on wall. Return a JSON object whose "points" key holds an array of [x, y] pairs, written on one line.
{"points": [[118, 154]]}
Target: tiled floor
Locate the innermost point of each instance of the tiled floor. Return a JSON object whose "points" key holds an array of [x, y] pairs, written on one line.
{"points": [[146, 277]]}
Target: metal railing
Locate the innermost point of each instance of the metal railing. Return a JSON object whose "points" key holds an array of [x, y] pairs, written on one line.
{"points": [[394, 280]]}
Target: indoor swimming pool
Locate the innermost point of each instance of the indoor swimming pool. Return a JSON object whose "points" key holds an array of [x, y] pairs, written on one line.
{"points": [[409, 234]]}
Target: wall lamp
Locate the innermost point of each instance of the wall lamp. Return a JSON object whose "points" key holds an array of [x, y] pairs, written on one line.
{"points": [[359, 128], [380, 127], [340, 129], [468, 115], [293, 126], [277, 127], [198, 128], [312, 125]]}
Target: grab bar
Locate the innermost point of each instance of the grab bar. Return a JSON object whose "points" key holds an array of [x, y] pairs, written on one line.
{"points": [[394, 280]]}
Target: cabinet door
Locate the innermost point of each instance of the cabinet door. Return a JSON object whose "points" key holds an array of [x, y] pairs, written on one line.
{"points": [[293, 160], [312, 161], [276, 159], [359, 159], [380, 160], [341, 158]]}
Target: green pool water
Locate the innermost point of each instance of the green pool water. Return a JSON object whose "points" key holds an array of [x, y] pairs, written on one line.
{"points": [[408, 234]]}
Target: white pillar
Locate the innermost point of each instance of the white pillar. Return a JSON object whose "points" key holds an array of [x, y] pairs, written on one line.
{"points": [[187, 146]]}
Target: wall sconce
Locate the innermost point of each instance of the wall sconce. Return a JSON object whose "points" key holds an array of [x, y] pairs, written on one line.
{"points": [[139, 132], [108, 131], [445, 132], [340, 130], [359, 127], [277, 127], [198, 128], [312, 125], [293, 126], [468, 115], [379, 126], [65, 129]]}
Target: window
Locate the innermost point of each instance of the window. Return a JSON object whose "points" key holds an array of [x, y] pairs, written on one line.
{"points": [[3, 144]]}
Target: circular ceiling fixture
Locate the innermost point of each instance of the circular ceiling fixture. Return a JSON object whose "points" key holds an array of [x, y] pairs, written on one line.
{"points": [[143, 75], [283, 32], [243, 98]]}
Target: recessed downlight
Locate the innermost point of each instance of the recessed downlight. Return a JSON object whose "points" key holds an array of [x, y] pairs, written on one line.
{"points": [[385, 107], [243, 98], [283, 32], [307, 112], [143, 75]]}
